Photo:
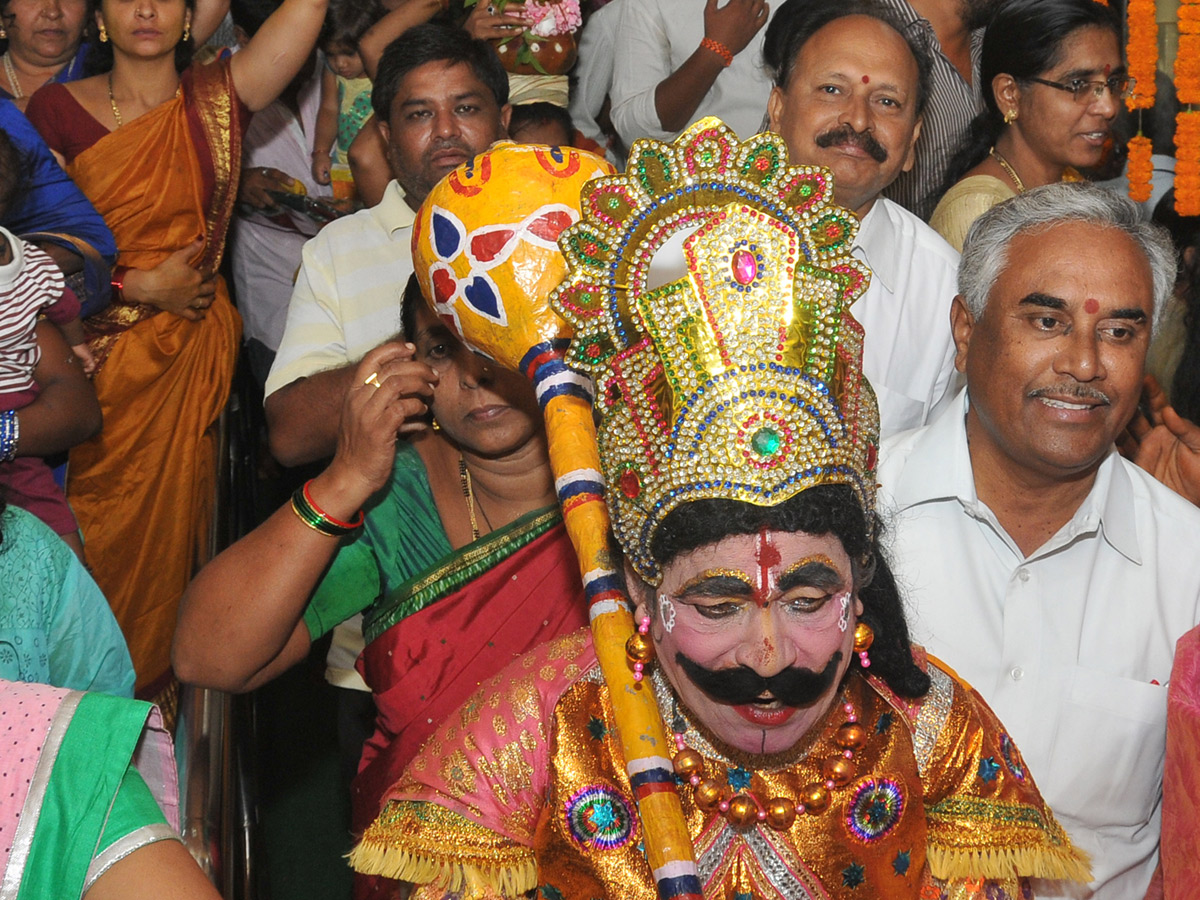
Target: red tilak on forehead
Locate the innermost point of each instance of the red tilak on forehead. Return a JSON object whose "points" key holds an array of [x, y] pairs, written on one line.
{"points": [[1107, 68], [767, 556], [1091, 306], [866, 79]]}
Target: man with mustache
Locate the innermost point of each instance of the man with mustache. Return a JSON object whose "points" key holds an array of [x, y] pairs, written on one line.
{"points": [[809, 749], [440, 97], [1048, 570], [851, 87]]}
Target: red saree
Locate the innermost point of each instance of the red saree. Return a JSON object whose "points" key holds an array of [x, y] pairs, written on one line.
{"points": [[434, 639]]}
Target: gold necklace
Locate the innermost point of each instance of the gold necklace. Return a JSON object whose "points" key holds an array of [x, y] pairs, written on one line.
{"points": [[112, 102], [1007, 167], [464, 477], [10, 73]]}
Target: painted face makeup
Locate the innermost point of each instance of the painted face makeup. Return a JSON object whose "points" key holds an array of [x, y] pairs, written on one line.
{"points": [[844, 618], [666, 612], [771, 610], [768, 558]]}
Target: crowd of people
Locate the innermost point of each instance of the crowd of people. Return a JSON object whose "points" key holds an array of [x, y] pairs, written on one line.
{"points": [[811, 351]]}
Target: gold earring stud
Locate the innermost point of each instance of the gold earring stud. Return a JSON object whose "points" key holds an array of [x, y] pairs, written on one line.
{"points": [[187, 30], [1010, 117], [103, 34]]}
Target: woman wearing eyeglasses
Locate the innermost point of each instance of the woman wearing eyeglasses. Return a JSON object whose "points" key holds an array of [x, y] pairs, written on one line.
{"points": [[1053, 80]]}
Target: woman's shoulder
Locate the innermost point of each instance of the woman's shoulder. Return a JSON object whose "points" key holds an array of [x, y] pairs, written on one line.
{"points": [[966, 201], [59, 113]]}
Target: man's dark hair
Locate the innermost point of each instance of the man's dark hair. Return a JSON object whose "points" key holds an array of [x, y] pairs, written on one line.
{"points": [[798, 20], [434, 42], [249, 15], [825, 509], [540, 113]]}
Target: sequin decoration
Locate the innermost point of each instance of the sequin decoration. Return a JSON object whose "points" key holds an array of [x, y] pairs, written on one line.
{"points": [[874, 809], [988, 769], [1012, 757], [742, 380], [599, 818], [854, 875]]}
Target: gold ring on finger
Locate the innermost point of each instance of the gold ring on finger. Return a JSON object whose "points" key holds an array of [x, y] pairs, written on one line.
{"points": [[373, 380]]}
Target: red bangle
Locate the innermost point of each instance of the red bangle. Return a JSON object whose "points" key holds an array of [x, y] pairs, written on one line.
{"points": [[118, 281], [340, 524], [718, 48]]}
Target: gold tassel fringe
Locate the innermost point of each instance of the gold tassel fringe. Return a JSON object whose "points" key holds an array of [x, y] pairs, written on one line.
{"points": [[376, 858], [1059, 863]]}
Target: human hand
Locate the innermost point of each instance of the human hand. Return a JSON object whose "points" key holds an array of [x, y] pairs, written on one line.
{"points": [[256, 181], [174, 285], [389, 396], [1165, 444], [322, 163], [736, 23], [84, 353], [486, 23]]}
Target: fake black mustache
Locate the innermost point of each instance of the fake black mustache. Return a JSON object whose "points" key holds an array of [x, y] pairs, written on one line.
{"points": [[742, 686], [861, 139]]}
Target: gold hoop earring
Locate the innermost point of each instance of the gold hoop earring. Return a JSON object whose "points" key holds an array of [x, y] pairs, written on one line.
{"points": [[1010, 117], [103, 34]]}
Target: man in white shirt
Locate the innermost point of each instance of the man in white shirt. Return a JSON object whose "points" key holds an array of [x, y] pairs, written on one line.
{"points": [[849, 94], [1053, 574], [440, 98], [677, 61]]}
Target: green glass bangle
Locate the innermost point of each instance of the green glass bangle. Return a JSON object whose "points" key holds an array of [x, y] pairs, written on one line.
{"points": [[317, 521]]}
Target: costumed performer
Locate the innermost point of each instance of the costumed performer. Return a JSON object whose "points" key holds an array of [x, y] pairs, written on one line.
{"points": [[89, 800], [463, 562], [155, 144], [817, 753]]}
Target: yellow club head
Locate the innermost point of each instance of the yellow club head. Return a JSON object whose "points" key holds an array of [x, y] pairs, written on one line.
{"points": [[485, 245]]}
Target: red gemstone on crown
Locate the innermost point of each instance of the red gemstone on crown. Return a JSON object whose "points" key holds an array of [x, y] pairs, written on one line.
{"points": [[745, 267], [631, 485]]}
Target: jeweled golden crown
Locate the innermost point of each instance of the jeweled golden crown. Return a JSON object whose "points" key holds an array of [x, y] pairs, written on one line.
{"points": [[742, 380]]}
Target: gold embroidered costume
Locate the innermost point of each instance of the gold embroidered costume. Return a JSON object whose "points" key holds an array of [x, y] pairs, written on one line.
{"points": [[526, 788]]}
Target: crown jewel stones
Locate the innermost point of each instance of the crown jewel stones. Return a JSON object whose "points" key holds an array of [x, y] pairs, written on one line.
{"points": [[743, 379]]}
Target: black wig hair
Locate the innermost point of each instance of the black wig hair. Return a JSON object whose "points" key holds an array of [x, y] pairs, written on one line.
{"points": [[825, 509], [434, 42]]}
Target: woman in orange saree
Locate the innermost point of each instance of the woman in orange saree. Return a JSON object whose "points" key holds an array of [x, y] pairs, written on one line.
{"points": [[157, 151]]}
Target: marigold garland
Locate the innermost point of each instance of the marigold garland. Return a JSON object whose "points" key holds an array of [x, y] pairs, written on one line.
{"points": [[1140, 169], [1187, 163], [1142, 52], [1187, 59]]}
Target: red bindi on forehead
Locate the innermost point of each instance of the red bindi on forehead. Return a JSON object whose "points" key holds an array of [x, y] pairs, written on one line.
{"points": [[866, 79], [1107, 69], [1091, 306]]}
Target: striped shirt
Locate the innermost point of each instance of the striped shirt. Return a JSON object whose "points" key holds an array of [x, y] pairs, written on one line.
{"points": [[29, 283], [347, 295], [951, 106]]}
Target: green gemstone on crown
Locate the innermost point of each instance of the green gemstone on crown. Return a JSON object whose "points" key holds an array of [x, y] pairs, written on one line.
{"points": [[765, 442]]}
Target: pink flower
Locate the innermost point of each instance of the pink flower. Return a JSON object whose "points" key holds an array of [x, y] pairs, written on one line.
{"points": [[553, 16]]}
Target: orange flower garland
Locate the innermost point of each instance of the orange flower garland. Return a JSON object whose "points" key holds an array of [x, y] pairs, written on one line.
{"points": [[1142, 54], [1140, 168], [1187, 124], [1187, 164]]}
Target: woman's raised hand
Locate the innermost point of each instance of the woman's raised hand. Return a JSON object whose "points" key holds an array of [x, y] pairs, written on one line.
{"points": [[174, 285], [390, 396]]}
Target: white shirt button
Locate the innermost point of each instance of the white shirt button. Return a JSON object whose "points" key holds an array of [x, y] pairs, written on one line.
{"points": [[1023, 574], [1017, 673]]}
